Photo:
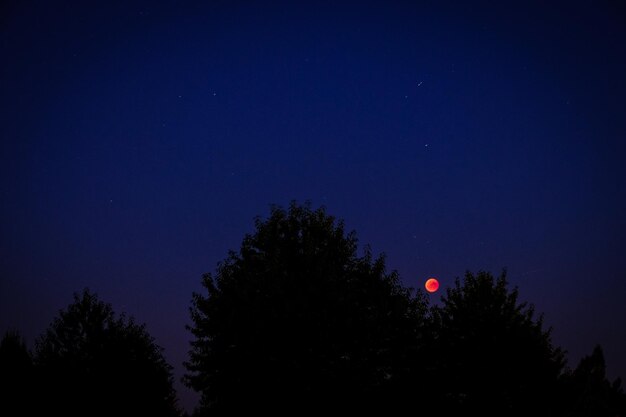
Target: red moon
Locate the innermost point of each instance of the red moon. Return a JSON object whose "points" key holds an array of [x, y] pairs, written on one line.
{"points": [[432, 285]]}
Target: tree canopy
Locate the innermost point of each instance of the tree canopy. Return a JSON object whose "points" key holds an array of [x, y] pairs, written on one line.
{"points": [[297, 320], [92, 362], [493, 355], [590, 393]]}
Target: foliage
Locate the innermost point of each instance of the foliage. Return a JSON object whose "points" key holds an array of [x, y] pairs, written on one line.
{"points": [[492, 355], [590, 393], [297, 320], [91, 362]]}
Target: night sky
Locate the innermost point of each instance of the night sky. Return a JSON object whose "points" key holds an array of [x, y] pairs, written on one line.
{"points": [[140, 140]]}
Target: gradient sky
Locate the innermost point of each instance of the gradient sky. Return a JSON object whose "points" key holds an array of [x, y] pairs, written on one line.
{"points": [[140, 140]]}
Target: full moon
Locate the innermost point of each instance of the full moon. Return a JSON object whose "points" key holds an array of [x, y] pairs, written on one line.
{"points": [[432, 285]]}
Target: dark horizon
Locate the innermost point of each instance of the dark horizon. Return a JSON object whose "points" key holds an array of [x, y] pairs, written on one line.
{"points": [[297, 318], [140, 140]]}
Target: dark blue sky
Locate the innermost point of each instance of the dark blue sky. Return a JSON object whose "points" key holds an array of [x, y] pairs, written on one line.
{"points": [[139, 141]]}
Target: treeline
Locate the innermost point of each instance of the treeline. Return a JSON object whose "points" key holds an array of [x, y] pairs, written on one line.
{"points": [[296, 322], [89, 362]]}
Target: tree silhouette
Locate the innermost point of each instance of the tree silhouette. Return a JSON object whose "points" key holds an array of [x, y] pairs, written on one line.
{"points": [[296, 321], [493, 356], [90, 362], [590, 394], [16, 375]]}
